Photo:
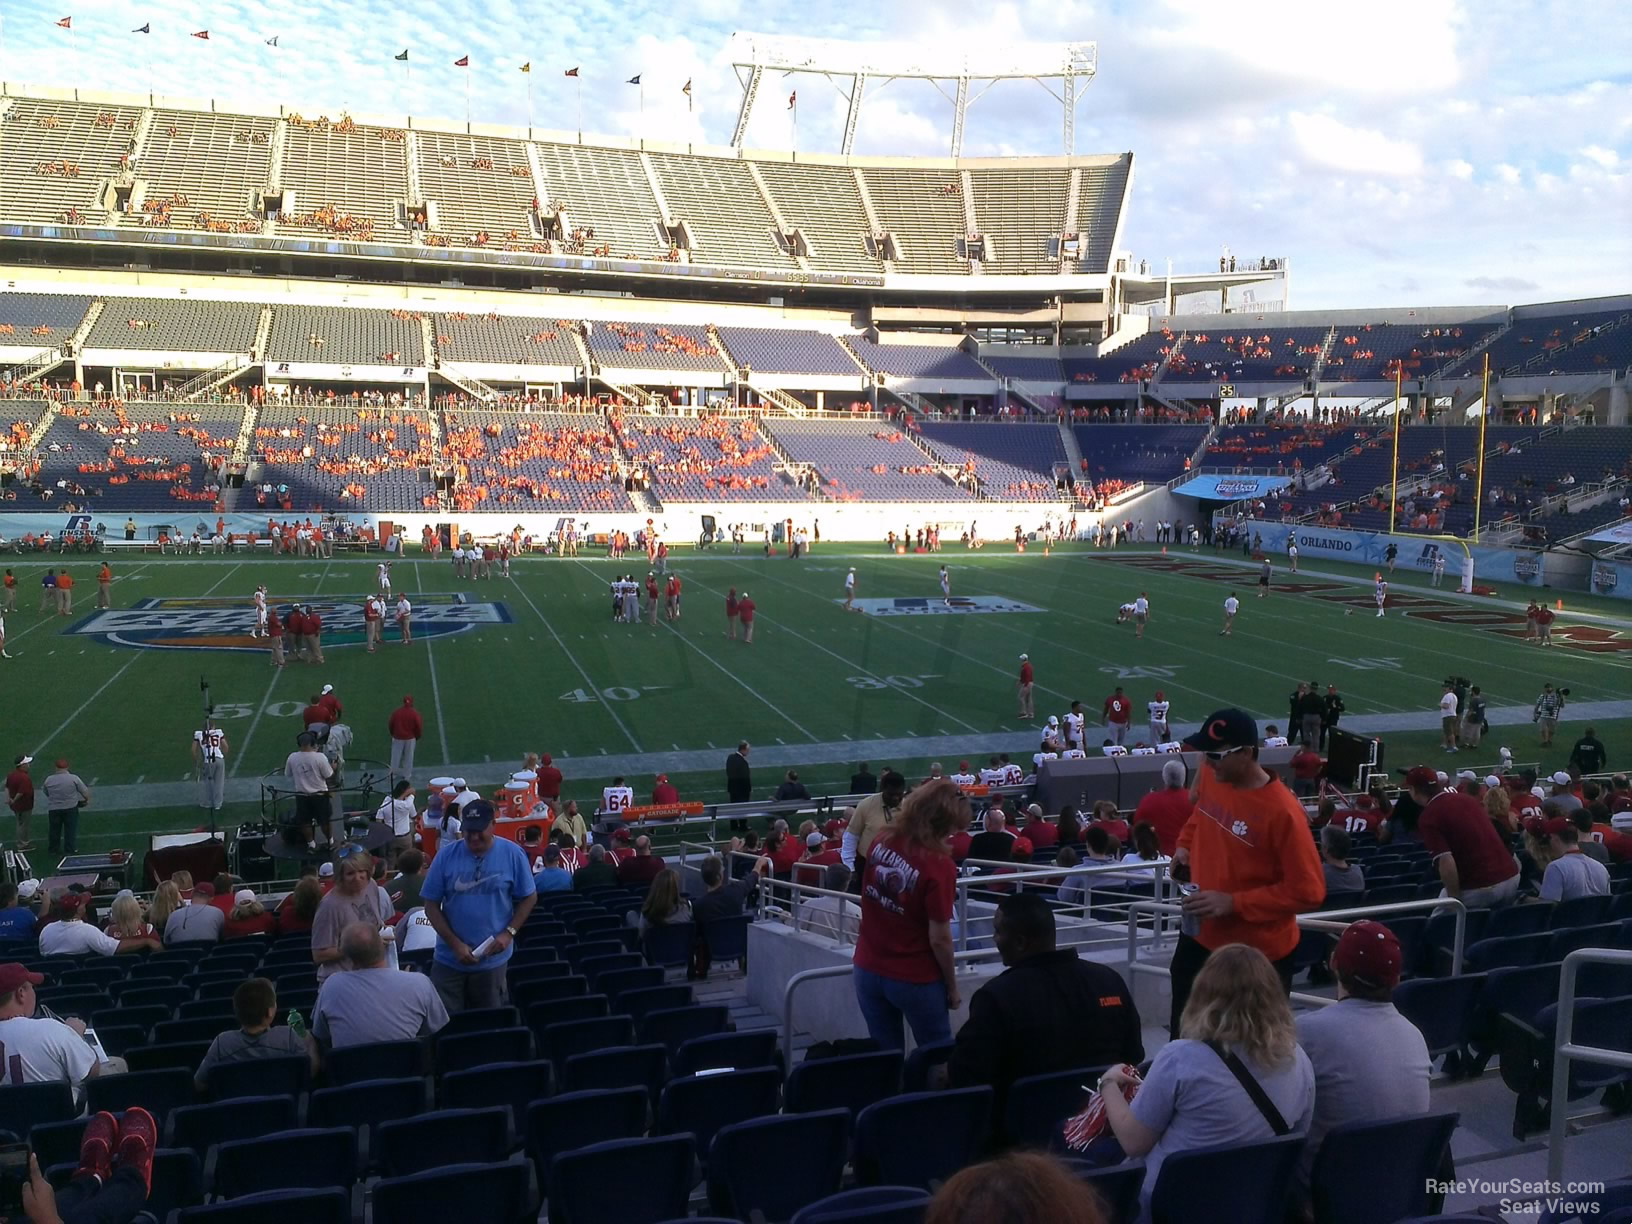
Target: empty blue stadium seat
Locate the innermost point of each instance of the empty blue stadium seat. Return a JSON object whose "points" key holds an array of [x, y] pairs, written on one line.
{"points": [[702, 1104], [737, 1051], [443, 1137], [196, 1127], [368, 1102], [850, 1081], [513, 1085], [749, 1175], [309, 1159], [640, 1066], [375, 1060], [332, 1206], [592, 1184], [493, 1191], [1244, 1183], [889, 1147], [673, 1025], [868, 1205], [1366, 1172], [579, 1119]]}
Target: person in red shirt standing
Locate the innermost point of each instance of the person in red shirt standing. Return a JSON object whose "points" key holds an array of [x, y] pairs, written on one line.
{"points": [[549, 780], [104, 586], [1023, 689], [1117, 712], [296, 625], [1307, 766], [651, 598], [1246, 852], [314, 634], [10, 597], [731, 614], [663, 792], [331, 703], [1168, 809], [745, 610], [20, 798], [672, 606], [904, 967], [407, 729], [274, 637], [315, 717], [1473, 862]]}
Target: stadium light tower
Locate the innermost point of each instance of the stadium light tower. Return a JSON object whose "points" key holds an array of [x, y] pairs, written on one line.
{"points": [[1071, 64]]}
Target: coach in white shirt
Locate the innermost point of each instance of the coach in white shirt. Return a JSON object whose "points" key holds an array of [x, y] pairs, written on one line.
{"points": [[40, 1051], [71, 935], [397, 813]]}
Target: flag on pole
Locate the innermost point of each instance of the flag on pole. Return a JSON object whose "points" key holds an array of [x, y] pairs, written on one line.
{"points": [[462, 62], [66, 23], [572, 72], [528, 66], [634, 80], [686, 88], [146, 29], [403, 58], [273, 41], [793, 99], [204, 34]]}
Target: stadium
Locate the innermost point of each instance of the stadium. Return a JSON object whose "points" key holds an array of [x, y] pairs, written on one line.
{"points": [[425, 396]]}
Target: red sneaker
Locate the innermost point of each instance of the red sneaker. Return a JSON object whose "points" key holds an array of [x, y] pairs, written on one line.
{"points": [[138, 1136], [96, 1147]]}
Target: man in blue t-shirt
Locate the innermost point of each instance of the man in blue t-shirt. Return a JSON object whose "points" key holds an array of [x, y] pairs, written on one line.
{"points": [[16, 919], [478, 893]]}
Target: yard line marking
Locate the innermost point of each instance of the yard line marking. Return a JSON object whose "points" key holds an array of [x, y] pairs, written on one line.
{"points": [[140, 779], [782, 741], [436, 688], [236, 567], [577, 666], [238, 757], [676, 747], [846, 737], [106, 684]]}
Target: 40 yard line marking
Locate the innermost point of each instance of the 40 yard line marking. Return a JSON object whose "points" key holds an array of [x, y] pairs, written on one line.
{"points": [[436, 689], [578, 667]]}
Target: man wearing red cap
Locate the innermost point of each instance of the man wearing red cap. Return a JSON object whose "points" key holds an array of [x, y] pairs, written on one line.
{"points": [[549, 780], [664, 792], [1247, 849], [40, 1051], [1473, 862], [407, 728], [1370, 1062]]}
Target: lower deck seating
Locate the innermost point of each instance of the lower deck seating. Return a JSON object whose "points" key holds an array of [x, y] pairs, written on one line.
{"points": [[538, 461], [338, 457]]}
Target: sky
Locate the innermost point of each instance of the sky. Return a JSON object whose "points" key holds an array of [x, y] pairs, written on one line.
{"points": [[1399, 152]]}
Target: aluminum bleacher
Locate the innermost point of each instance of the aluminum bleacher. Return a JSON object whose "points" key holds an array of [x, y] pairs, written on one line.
{"points": [[202, 171], [604, 190], [823, 203], [728, 220], [338, 336], [534, 461], [771, 351], [1013, 462], [704, 458], [347, 180], [864, 460], [343, 456], [57, 156], [919, 361], [478, 184], [182, 325], [652, 346], [1099, 209], [514, 339], [1021, 212], [1130, 453], [923, 210], [141, 456]]}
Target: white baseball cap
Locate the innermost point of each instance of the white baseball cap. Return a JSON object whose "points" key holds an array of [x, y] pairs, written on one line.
{"points": [[243, 896], [814, 839], [1023, 658], [325, 871], [27, 888], [1466, 775], [1053, 720], [328, 688], [1561, 778], [1491, 780], [25, 760], [1442, 775], [1539, 792]]}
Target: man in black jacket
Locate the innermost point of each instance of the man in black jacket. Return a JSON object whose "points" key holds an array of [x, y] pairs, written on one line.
{"points": [[1311, 714], [739, 781], [996, 843], [1331, 711], [863, 781], [1047, 1011]]}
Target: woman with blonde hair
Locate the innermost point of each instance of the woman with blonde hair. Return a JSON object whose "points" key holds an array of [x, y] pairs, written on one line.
{"points": [[664, 904], [1236, 1031], [1499, 807], [183, 880], [298, 910], [904, 970], [166, 901], [247, 916], [125, 919], [354, 898]]}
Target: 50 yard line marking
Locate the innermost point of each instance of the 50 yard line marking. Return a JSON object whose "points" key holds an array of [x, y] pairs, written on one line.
{"points": [[577, 666], [436, 689]]}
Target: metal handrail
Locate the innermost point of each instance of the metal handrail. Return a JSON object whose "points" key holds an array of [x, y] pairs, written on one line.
{"points": [[1564, 1049], [830, 971]]}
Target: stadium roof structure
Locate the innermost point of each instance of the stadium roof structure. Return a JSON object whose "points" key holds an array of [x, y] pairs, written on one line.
{"points": [[1070, 63]]}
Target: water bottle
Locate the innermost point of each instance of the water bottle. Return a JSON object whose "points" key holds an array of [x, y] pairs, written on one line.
{"points": [[1188, 923], [297, 1023]]}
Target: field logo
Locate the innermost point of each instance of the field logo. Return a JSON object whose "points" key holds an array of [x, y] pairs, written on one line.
{"points": [[224, 624], [1604, 577], [959, 605]]}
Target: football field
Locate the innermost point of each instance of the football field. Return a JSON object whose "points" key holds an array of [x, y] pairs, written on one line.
{"points": [[534, 662]]}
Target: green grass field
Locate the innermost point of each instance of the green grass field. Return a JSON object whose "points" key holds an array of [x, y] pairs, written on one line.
{"points": [[547, 670]]}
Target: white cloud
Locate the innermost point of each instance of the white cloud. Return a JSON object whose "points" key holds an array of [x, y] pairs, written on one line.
{"points": [[1506, 173], [1607, 158], [1459, 169], [1326, 141]]}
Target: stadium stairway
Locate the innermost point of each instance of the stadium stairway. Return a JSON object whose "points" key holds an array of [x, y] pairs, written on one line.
{"points": [[1014, 386]]}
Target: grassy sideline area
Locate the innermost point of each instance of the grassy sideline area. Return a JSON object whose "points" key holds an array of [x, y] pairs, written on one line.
{"points": [[534, 663]]}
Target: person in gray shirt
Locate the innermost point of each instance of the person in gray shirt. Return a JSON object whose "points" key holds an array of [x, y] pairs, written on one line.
{"points": [[64, 795], [1370, 1062], [372, 1001], [255, 1003], [1341, 875], [199, 922]]}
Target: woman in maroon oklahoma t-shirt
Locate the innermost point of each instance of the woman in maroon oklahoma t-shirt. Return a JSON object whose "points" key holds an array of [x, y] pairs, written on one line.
{"points": [[903, 966]]}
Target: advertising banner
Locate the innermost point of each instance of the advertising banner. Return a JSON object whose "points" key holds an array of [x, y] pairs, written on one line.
{"points": [[1225, 487]]}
